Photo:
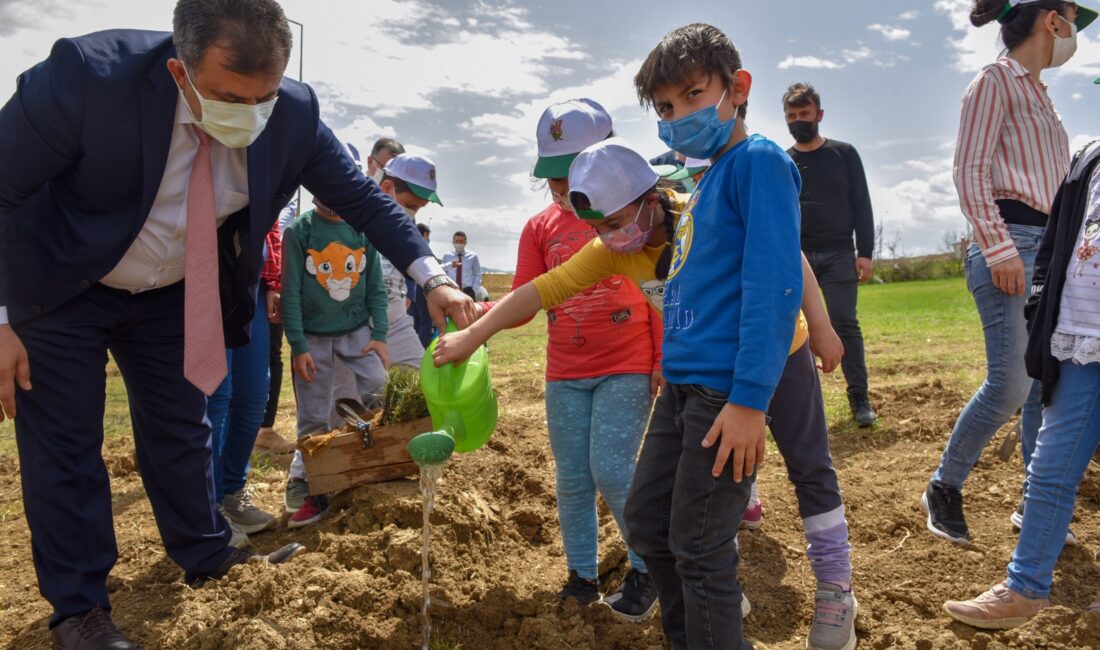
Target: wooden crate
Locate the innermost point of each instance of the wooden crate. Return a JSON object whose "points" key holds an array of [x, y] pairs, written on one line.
{"points": [[343, 462]]}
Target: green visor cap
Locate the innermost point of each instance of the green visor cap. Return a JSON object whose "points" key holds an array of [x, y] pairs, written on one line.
{"points": [[1085, 16], [591, 214], [424, 193], [685, 172], [554, 166]]}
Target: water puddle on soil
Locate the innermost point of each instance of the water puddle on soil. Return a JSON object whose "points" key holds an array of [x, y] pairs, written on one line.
{"points": [[429, 481]]}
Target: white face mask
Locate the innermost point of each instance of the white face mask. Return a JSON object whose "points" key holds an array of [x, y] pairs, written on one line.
{"points": [[378, 175], [1064, 46], [460, 248], [234, 125]]}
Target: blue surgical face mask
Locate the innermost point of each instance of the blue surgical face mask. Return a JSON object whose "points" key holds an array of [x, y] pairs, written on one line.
{"points": [[699, 135]]}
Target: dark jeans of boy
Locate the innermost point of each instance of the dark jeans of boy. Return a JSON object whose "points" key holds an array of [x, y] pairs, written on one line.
{"points": [[836, 273], [683, 522]]}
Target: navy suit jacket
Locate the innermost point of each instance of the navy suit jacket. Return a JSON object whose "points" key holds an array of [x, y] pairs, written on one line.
{"points": [[83, 146]]}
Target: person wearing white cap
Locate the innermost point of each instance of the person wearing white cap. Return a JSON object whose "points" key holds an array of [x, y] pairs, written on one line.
{"points": [[603, 357], [1012, 153], [411, 181]]}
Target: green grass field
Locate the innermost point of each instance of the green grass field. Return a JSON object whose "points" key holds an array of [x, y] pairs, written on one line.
{"points": [[924, 328]]}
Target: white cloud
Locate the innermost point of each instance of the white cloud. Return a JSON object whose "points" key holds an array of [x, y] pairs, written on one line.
{"points": [[975, 47], [1077, 97], [912, 14], [860, 54], [890, 32], [978, 47], [920, 209], [1079, 141], [811, 62], [495, 161]]}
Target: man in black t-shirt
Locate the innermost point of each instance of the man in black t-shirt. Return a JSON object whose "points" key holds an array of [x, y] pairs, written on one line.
{"points": [[835, 205]]}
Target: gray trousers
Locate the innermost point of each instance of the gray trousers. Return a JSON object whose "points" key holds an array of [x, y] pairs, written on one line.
{"points": [[315, 399], [404, 343]]}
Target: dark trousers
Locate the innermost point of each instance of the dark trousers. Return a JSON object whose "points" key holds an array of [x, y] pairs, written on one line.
{"points": [[422, 320], [683, 522], [59, 431], [836, 273], [275, 344]]}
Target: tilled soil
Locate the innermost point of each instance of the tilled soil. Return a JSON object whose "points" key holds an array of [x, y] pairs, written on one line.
{"points": [[498, 560]]}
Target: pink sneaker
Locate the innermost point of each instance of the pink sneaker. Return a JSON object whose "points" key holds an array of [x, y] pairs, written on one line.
{"points": [[313, 508], [754, 516]]}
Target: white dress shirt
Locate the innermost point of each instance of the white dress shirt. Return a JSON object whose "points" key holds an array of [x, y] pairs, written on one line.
{"points": [[155, 259]]}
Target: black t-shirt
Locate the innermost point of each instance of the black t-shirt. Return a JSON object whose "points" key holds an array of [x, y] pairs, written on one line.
{"points": [[835, 201]]}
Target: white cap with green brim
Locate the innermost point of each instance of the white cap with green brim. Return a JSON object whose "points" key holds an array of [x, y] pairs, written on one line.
{"points": [[564, 130], [611, 176], [418, 173], [692, 166], [1085, 15]]}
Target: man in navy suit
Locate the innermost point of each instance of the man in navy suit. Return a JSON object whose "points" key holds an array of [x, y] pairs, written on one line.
{"points": [[139, 174]]}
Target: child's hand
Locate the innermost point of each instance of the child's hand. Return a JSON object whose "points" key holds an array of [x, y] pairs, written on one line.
{"points": [[304, 366], [656, 384], [455, 347], [742, 432], [381, 349], [274, 307], [826, 345]]}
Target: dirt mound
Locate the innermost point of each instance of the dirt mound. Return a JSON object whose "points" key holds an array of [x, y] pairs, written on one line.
{"points": [[498, 560]]}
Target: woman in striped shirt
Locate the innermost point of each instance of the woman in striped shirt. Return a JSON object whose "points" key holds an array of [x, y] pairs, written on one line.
{"points": [[1012, 153]]}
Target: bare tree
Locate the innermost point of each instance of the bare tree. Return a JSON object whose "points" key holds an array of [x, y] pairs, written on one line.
{"points": [[894, 245], [879, 241]]}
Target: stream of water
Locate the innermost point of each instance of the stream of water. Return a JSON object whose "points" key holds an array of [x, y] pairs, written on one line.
{"points": [[429, 480]]}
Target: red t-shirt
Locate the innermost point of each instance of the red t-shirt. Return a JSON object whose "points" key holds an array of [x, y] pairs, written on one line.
{"points": [[610, 329]]}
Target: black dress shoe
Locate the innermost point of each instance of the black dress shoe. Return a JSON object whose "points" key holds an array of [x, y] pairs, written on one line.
{"points": [[238, 556], [92, 630]]}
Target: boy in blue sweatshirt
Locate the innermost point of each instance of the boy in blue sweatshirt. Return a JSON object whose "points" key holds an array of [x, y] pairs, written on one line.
{"points": [[731, 302]]}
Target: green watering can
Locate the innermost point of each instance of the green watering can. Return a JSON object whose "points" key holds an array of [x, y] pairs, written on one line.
{"points": [[462, 404]]}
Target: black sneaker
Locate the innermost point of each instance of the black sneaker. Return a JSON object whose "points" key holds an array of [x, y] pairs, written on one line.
{"points": [[585, 592], [944, 506], [862, 412], [636, 599]]}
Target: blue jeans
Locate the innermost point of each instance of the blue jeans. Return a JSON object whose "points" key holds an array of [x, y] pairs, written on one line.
{"points": [[596, 426], [1070, 434], [236, 409], [1007, 386]]}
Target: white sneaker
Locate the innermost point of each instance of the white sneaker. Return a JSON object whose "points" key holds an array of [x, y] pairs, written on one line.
{"points": [[1017, 519], [239, 538]]}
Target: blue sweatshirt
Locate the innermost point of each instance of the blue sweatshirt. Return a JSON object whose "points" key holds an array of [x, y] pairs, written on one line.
{"points": [[735, 286]]}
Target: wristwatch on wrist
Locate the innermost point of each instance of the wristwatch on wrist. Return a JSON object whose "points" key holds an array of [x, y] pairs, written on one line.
{"points": [[437, 281]]}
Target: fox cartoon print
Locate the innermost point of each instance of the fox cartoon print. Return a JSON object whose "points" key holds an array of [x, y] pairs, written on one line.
{"points": [[337, 268]]}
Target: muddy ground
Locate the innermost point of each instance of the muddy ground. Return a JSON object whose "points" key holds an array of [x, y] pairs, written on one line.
{"points": [[498, 557]]}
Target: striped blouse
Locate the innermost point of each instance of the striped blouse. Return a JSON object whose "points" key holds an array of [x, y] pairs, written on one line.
{"points": [[1011, 146]]}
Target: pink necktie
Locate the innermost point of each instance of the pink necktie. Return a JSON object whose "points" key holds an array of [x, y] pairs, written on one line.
{"points": [[203, 340]]}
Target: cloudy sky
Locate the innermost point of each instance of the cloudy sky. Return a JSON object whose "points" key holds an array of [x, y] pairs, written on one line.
{"points": [[465, 82]]}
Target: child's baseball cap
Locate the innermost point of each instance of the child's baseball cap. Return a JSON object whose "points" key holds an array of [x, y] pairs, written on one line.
{"points": [[418, 172], [610, 175], [1085, 15], [692, 166], [564, 130]]}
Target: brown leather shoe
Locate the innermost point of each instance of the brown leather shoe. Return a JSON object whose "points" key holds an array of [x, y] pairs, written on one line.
{"points": [[1000, 608], [268, 440], [92, 630], [238, 556]]}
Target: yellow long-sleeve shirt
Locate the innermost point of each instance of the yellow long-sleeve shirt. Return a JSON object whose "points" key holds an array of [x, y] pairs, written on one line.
{"points": [[594, 262]]}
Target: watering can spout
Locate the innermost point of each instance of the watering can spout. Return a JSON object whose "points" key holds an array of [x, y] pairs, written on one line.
{"points": [[432, 448]]}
